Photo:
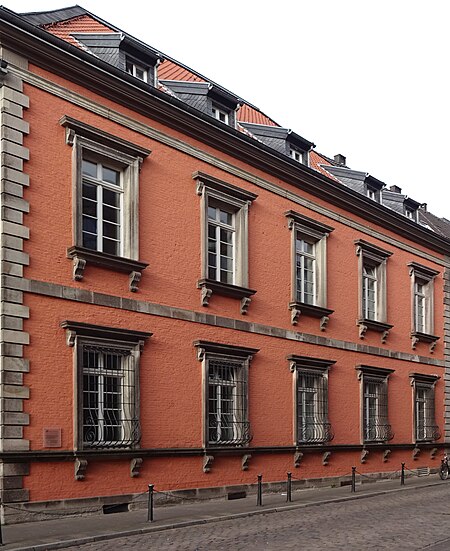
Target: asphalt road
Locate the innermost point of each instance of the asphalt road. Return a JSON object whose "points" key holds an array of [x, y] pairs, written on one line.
{"points": [[402, 520]]}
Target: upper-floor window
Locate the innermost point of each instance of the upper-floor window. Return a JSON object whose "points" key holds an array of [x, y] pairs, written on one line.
{"points": [[297, 155], [422, 304], [224, 220], [220, 114], [309, 266], [372, 288], [311, 399], [137, 70], [226, 419], [105, 196]]}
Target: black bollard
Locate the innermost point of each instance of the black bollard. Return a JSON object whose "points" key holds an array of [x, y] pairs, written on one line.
{"points": [[150, 503], [289, 487], [259, 494], [353, 479], [402, 477]]}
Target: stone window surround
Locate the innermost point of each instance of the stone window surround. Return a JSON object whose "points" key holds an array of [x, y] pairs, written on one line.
{"points": [[207, 350], [306, 364], [129, 157], [380, 373], [375, 256], [79, 334], [425, 275], [318, 232], [423, 380], [210, 188]]}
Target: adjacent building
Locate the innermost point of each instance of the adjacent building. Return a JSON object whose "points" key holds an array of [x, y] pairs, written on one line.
{"points": [[191, 295]]}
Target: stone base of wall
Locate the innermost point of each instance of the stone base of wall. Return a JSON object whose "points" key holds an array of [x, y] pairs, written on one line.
{"points": [[16, 513]]}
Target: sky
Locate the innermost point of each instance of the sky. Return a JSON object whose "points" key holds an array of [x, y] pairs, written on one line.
{"points": [[367, 79]]}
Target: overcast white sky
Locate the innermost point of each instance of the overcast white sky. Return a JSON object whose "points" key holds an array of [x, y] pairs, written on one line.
{"points": [[366, 79]]}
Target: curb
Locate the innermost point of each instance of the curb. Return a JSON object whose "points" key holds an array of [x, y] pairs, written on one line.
{"points": [[221, 518]]}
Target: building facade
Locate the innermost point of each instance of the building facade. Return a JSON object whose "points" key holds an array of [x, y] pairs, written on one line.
{"points": [[191, 295]]}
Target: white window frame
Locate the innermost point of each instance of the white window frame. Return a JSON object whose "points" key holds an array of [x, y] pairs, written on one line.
{"points": [[372, 256], [237, 201], [371, 194], [124, 342], [238, 358], [424, 276], [132, 67], [315, 233], [96, 145], [297, 154], [220, 226], [220, 113], [429, 430]]}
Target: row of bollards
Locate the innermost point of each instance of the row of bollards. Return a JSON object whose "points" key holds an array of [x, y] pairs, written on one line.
{"points": [[259, 493]]}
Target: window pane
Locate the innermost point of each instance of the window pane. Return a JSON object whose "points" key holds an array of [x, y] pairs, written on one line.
{"points": [[226, 236], [212, 213], [110, 230], [90, 241], [226, 217], [111, 198], [110, 214], [89, 169], [89, 225], [226, 250], [111, 176], [226, 277], [90, 191], [89, 207], [110, 247], [211, 245]]}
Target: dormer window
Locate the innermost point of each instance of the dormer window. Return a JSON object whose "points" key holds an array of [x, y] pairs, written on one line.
{"points": [[297, 155], [372, 194], [220, 114], [137, 70], [411, 214]]}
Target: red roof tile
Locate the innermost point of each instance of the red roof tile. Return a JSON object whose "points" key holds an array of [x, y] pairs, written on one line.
{"points": [[249, 114], [82, 24], [168, 70], [318, 161]]}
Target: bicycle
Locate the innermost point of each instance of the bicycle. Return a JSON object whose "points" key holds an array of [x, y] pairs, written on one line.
{"points": [[444, 470]]}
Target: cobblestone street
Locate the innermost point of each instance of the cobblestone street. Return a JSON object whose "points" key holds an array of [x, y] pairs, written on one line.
{"points": [[402, 520]]}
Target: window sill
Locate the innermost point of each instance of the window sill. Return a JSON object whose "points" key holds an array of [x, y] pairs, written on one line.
{"points": [[82, 256], [372, 325], [300, 308], [417, 336], [209, 286]]}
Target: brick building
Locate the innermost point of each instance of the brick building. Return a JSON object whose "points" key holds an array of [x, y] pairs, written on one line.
{"points": [[191, 294]]}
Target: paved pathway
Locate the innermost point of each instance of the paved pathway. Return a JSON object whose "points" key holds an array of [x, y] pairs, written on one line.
{"points": [[410, 520]]}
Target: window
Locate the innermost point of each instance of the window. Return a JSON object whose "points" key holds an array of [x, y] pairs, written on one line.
{"points": [[372, 194], [425, 427], [311, 424], [224, 220], [372, 289], [309, 242], [375, 422], [225, 367], [107, 385], [422, 304], [220, 114], [105, 196], [137, 70], [297, 155]]}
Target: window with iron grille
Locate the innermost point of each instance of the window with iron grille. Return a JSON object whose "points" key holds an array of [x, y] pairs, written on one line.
{"points": [[375, 420], [226, 416], [312, 425], [107, 384], [425, 426]]}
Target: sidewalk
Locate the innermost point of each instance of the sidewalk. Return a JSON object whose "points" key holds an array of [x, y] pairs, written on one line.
{"points": [[66, 532]]}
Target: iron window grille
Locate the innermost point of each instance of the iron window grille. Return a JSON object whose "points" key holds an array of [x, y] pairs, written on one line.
{"points": [[375, 420], [425, 426], [106, 385], [311, 423], [225, 395]]}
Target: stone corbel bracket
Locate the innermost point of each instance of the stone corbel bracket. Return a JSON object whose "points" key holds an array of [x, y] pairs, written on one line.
{"points": [[386, 455], [135, 466], [245, 303], [414, 342], [80, 468], [362, 330], [79, 264], [245, 461], [135, 278], [325, 458], [384, 336], [433, 453], [433, 346], [416, 453], [364, 455], [205, 296], [295, 314], [298, 456], [324, 322], [207, 463], [3, 69]]}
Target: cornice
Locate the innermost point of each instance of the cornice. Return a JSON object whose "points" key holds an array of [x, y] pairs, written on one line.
{"points": [[59, 57]]}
